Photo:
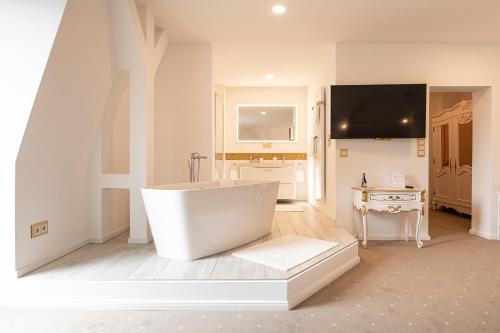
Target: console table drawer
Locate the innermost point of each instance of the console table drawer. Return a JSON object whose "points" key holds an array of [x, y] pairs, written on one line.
{"points": [[392, 197], [283, 175]]}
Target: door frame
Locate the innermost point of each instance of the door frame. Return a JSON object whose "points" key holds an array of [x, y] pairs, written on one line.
{"points": [[484, 210]]}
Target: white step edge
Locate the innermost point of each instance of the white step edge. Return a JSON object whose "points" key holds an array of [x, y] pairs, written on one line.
{"points": [[183, 294]]}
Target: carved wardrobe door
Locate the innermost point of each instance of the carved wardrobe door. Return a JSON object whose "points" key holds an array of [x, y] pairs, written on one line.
{"points": [[462, 160], [452, 158], [442, 182]]}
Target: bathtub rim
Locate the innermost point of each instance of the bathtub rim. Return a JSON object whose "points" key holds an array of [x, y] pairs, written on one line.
{"points": [[241, 183]]}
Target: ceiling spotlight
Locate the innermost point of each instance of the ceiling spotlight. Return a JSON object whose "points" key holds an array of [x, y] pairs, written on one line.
{"points": [[270, 76], [404, 121], [263, 113], [279, 9]]}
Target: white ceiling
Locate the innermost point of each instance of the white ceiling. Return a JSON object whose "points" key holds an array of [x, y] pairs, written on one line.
{"points": [[296, 64], [327, 21]]}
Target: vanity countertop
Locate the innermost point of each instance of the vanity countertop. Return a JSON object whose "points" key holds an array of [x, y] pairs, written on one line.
{"points": [[277, 164]]}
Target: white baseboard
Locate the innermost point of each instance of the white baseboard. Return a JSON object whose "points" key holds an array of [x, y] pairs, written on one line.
{"points": [[44, 261], [482, 234], [139, 240], [112, 235]]}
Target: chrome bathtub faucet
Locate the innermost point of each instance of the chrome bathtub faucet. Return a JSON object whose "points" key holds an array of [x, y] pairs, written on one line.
{"points": [[194, 166]]}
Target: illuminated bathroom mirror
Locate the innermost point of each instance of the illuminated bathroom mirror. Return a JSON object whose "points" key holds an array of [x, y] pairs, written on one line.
{"points": [[266, 123]]}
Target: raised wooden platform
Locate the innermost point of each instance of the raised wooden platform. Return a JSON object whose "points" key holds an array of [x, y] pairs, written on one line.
{"points": [[129, 276]]}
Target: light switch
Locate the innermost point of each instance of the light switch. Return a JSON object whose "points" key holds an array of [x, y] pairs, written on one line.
{"points": [[343, 153], [420, 147]]}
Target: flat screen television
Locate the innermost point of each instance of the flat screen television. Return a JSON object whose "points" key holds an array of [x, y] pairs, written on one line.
{"points": [[378, 111]]}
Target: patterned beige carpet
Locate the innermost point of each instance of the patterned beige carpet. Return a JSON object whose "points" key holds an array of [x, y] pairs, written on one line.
{"points": [[451, 285]]}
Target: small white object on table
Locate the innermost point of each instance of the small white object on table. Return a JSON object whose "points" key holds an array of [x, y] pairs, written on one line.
{"points": [[390, 200]]}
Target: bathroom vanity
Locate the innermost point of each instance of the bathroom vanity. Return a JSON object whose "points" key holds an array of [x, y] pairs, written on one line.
{"points": [[284, 172]]}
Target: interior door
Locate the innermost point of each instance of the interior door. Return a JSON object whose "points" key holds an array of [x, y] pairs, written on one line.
{"points": [[442, 150], [462, 160]]}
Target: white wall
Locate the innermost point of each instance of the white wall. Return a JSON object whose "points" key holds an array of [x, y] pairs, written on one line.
{"points": [[218, 168], [183, 112], [485, 143], [115, 140], [437, 65], [52, 165], [115, 211], [324, 78], [26, 28]]}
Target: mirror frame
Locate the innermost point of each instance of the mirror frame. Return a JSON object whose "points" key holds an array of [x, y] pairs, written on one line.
{"points": [[295, 131]]}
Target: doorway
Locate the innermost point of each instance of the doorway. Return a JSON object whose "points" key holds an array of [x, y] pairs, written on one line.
{"points": [[450, 162]]}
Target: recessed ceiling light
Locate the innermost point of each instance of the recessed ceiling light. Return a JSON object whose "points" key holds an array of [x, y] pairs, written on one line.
{"points": [[279, 9], [270, 76], [263, 113], [404, 120]]}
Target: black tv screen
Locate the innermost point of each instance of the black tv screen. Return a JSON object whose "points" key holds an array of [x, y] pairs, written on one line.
{"points": [[378, 111]]}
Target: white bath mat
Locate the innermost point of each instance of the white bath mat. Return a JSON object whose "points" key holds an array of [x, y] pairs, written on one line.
{"points": [[288, 208], [285, 253]]}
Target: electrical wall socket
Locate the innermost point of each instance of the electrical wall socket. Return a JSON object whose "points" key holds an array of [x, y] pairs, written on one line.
{"points": [[39, 229]]}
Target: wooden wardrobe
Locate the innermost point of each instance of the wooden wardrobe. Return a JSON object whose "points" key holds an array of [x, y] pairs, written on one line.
{"points": [[452, 158]]}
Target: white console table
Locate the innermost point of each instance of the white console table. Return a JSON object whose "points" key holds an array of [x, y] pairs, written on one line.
{"points": [[390, 200]]}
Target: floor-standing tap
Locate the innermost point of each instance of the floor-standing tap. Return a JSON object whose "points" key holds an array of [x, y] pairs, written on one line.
{"points": [[194, 167]]}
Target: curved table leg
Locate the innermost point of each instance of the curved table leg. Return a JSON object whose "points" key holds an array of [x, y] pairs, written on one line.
{"points": [[356, 232], [420, 217], [407, 227], [364, 213]]}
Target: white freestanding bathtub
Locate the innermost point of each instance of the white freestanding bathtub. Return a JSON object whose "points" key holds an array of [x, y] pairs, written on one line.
{"points": [[194, 220]]}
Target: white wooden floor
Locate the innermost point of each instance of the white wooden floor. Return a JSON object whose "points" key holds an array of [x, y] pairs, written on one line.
{"points": [[118, 260]]}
